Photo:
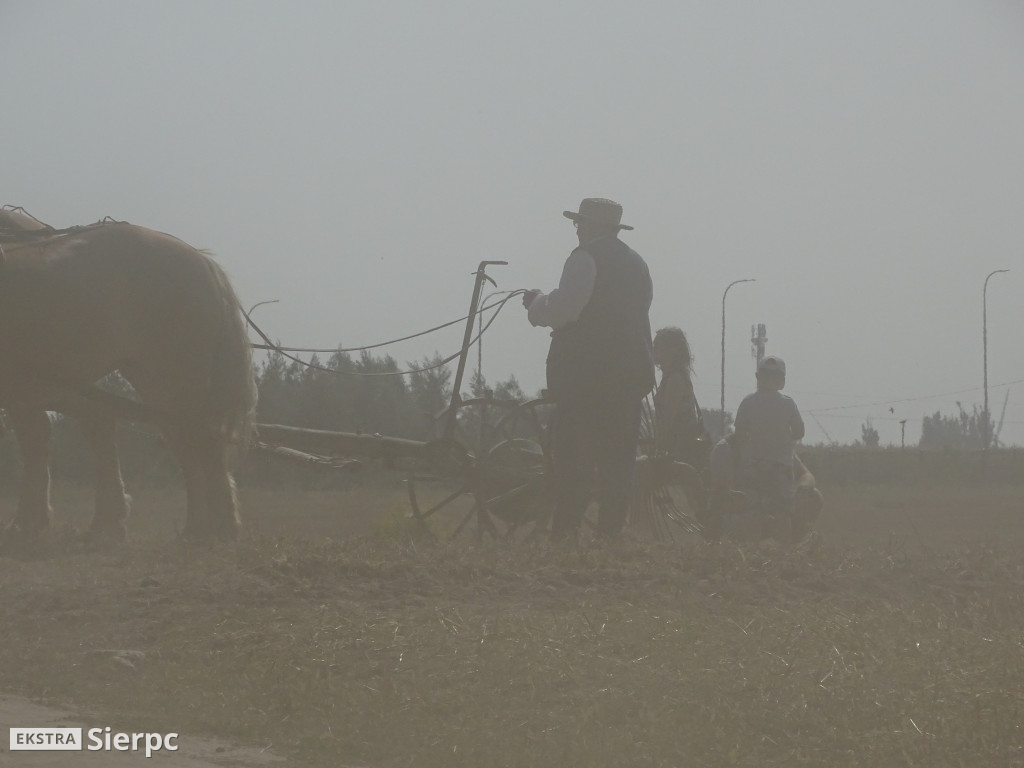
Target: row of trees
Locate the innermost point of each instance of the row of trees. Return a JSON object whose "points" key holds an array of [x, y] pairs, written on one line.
{"points": [[964, 431], [364, 394]]}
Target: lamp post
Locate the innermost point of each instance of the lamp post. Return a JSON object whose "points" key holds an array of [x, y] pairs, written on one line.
{"points": [[984, 353], [724, 294]]}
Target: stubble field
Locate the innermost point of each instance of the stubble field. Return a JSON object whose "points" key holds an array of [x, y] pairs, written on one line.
{"points": [[332, 637]]}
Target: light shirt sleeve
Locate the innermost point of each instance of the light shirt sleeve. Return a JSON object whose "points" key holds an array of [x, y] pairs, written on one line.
{"points": [[565, 303], [796, 423], [739, 423]]}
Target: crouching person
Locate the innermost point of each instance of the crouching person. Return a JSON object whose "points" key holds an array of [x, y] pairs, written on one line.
{"points": [[755, 473], [734, 513], [807, 503]]}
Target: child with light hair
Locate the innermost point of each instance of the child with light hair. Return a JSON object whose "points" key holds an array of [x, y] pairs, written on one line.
{"points": [[681, 442], [676, 417]]}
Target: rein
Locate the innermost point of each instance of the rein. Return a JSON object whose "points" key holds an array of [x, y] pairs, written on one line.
{"points": [[285, 351]]}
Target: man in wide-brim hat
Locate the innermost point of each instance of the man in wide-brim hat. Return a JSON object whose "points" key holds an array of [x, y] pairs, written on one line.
{"points": [[599, 368], [597, 210]]}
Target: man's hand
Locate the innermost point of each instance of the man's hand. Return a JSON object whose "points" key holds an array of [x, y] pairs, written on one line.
{"points": [[529, 296]]}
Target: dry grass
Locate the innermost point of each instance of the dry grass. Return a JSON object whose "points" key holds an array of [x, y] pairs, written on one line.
{"points": [[883, 646]]}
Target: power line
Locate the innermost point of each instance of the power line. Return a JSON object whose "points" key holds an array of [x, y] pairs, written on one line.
{"points": [[908, 399], [860, 417]]}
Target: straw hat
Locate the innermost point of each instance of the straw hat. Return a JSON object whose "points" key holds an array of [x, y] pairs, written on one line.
{"points": [[599, 210]]}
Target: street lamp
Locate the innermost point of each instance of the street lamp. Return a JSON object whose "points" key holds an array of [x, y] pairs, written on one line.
{"points": [[984, 352], [724, 293]]}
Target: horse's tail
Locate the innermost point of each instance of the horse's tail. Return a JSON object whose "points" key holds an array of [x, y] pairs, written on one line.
{"points": [[232, 385]]}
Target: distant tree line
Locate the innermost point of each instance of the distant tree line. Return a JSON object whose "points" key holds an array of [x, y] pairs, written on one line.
{"points": [[365, 394], [962, 431]]}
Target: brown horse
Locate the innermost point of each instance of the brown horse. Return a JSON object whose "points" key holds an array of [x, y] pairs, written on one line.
{"points": [[76, 305]]}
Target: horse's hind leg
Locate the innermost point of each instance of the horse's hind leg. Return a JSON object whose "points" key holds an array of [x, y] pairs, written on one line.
{"points": [[221, 499], [191, 463], [112, 503], [212, 506], [32, 428]]}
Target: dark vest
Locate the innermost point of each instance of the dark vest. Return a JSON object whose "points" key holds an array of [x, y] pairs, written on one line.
{"points": [[607, 351]]}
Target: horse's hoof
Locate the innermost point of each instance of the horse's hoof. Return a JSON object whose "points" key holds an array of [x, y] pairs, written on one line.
{"points": [[17, 538]]}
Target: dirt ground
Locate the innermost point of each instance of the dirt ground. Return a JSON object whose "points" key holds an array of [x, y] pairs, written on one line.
{"points": [[894, 519], [358, 512], [917, 517]]}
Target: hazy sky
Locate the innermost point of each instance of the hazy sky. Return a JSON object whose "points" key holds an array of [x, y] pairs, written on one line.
{"points": [[863, 160]]}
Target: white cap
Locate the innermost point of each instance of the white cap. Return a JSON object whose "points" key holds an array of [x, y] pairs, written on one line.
{"points": [[772, 365]]}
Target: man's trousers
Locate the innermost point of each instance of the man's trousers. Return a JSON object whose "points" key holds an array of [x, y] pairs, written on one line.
{"points": [[593, 450]]}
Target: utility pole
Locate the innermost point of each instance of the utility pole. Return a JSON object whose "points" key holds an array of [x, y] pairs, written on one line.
{"points": [[985, 432], [903, 433]]}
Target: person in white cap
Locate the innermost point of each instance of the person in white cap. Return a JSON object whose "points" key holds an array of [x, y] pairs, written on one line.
{"points": [[760, 457], [768, 423], [600, 366]]}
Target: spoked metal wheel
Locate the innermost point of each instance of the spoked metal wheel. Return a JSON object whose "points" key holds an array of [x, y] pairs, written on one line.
{"points": [[669, 495], [518, 466], [500, 465]]}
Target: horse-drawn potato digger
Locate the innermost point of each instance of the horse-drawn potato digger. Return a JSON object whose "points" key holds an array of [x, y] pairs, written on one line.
{"points": [[85, 301]]}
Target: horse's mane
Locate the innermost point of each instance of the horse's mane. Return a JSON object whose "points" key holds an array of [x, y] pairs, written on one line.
{"points": [[19, 226]]}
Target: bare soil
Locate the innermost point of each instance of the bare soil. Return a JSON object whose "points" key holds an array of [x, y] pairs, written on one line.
{"points": [[331, 636]]}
